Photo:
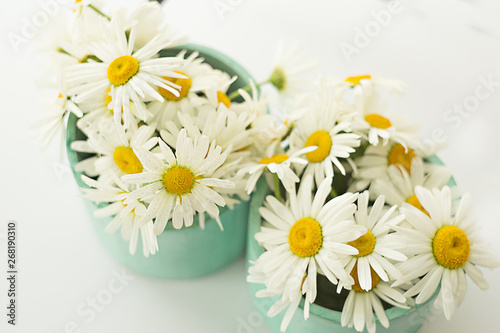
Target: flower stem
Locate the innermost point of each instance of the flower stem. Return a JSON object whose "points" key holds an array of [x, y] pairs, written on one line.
{"points": [[236, 94], [277, 192], [99, 12]]}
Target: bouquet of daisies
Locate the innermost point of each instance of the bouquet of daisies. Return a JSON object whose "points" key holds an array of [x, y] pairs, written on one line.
{"points": [[163, 141], [359, 207]]}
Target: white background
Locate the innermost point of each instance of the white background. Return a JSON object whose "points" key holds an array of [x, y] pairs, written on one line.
{"points": [[441, 48]]}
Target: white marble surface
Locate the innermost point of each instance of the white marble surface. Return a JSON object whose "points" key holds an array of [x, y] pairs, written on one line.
{"points": [[442, 49]]}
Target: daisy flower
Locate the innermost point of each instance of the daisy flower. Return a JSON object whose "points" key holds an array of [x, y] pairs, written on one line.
{"points": [[223, 127], [226, 129], [372, 123], [291, 68], [131, 76], [302, 238], [366, 83], [446, 248], [377, 248], [217, 93], [197, 76], [320, 127], [176, 183], [125, 216], [52, 122], [114, 148], [361, 304], [279, 164], [376, 160], [400, 187]]}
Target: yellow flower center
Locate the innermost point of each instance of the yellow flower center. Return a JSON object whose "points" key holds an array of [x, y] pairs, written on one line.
{"points": [[305, 237], [185, 86], [413, 200], [222, 98], [365, 244], [398, 155], [278, 158], [126, 160], [178, 180], [356, 286], [324, 142], [451, 247], [378, 121], [357, 79], [122, 69]]}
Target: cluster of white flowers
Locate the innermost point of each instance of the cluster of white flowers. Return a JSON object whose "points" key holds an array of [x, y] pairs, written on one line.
{"points": [[162, 140], [169, 138], [390, 228]]}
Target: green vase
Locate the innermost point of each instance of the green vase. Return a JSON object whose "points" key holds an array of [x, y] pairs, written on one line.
{"points": [[324, 320], [189, 252]]}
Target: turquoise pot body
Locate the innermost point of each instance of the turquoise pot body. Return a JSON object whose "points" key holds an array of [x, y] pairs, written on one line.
{"points": [[189, 252], [323, 320]]}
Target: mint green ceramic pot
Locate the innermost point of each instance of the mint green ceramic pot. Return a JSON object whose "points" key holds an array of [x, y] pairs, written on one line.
{"points": [[189, 252], [323, 320]]}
